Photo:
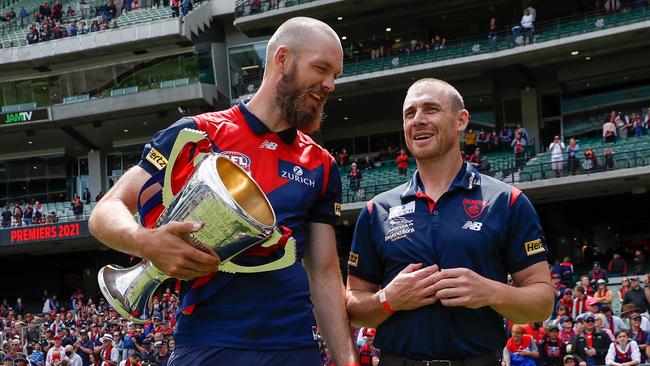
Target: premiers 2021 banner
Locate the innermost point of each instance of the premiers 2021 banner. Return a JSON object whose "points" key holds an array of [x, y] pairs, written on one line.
{"points": [[49, 232]]}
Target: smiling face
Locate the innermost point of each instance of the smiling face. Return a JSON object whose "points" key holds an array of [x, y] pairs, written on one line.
{"points": [[433, 120]]}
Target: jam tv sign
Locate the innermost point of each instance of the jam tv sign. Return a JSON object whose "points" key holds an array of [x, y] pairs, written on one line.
{"points": [[37, 115]]}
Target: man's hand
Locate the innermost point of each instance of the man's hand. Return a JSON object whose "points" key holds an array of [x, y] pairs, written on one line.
{"points": [[590, 351], [462, 287], [412, 288], [168, 248]]}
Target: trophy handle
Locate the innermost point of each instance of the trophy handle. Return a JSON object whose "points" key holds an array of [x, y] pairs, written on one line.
{"points": [[184, 137], [287, 259]]}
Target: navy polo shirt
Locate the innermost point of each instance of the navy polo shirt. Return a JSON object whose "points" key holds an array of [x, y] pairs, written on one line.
{"points": [[480, 223]]}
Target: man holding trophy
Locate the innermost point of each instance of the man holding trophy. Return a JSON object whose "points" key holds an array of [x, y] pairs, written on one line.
{"points": [[257, 309]]}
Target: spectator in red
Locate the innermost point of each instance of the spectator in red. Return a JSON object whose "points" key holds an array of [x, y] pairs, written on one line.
{"points": [[579, 302], [567, 332], [475, 159], [585, 283], [367, 163], [567, 299], [617, 266], [625, 285], [368, 354], [402, 162], [521, 349], [561, 312], [637, 334], [536, 331], [596, 274], [518, 145], [603, 295], [492, 34], [552, 349], [355, 178], [343, 157]]}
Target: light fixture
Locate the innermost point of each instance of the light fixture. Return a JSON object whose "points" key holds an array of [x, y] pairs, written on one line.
{"points": [[575, 53], [388, 29], [125, 130], [587, 58], [340, 99], [345, 118], [588, 84], [344, 38], [29, 142], [339, 18]]}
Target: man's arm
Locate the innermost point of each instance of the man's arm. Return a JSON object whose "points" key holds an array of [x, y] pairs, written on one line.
{"points": [[328, 294], [113, 224], [531, 299]]}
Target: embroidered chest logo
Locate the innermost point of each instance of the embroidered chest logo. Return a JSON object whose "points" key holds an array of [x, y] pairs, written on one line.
{"points": [[398, 228], [297, 174], [474, 208], [241, 159], [269, 145]]}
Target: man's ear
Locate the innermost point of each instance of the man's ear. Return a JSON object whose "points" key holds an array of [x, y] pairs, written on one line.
{"points": [[462, 120], [280, 57]]}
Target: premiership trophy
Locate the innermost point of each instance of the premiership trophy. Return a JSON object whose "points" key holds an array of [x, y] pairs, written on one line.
{"points": [[237, 217]]}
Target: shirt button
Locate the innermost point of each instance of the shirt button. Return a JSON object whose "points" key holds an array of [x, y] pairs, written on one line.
{"points": [[435, 212]]}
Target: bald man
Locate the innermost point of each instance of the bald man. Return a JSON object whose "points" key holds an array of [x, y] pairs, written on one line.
{"points": [[430, 258], [262, 318]]}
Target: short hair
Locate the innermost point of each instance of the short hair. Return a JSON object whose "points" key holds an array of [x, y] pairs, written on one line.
{"points": [[618, 332], [456, 100], [517, 328]]}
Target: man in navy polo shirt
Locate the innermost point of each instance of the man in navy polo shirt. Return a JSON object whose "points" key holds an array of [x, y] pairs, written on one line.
{"points": [[430, 258], [264, 318]]}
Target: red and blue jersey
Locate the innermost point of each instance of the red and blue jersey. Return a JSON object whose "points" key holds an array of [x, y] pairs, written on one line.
{"points": [[480, 223], [267, 310]]}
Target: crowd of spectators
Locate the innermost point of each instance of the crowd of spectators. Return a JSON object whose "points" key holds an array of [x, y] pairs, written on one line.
{"points": [[52, 21], [27, 214], [85, 332]]}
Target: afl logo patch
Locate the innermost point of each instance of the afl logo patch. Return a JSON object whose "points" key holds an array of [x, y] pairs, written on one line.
{"points": [[241, 159]]}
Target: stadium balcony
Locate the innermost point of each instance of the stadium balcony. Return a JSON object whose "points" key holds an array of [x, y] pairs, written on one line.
{"points": [[140, 31], [553, 40]]}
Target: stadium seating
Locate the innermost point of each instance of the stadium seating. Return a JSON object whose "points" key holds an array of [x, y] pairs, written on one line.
{"points": [[628, 153], [139, 16], [545, 31]]}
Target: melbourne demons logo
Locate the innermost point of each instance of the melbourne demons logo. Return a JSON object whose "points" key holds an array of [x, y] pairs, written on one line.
{"points": [[241, 159], [474, 208]]}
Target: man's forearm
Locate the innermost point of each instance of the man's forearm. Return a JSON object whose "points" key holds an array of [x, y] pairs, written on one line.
{"points": [[365, 309], [533, 302], [328, 296], [113, 224]]}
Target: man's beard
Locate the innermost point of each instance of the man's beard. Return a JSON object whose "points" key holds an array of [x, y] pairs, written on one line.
{"points": [[292, 102]]}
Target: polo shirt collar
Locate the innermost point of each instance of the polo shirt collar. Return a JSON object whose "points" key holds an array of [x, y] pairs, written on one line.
{"points": [[287, 136], [468, 178]]}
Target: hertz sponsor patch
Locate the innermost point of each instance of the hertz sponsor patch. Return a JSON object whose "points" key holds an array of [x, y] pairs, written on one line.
{"points": [[337, 209], [534, 247], [353, 260], [156, 158]]}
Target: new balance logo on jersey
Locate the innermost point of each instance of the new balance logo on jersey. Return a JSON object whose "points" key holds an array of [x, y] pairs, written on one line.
{"points": [[269, 145], [473, 225]]}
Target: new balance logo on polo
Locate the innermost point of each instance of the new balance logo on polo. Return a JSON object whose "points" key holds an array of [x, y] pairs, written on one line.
{"points": [[473, 225], [269, 145]]}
